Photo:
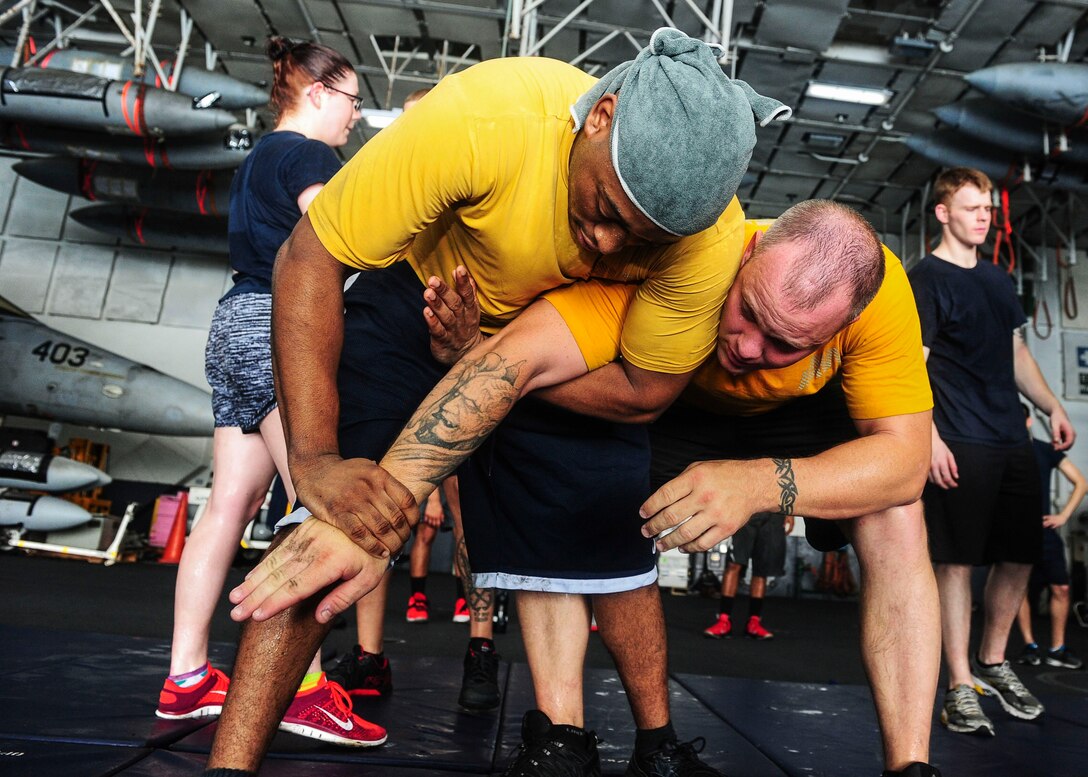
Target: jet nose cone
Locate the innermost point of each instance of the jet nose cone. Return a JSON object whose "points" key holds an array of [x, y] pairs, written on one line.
{"points": [[949, 114], [67, 475], [987, 80]]}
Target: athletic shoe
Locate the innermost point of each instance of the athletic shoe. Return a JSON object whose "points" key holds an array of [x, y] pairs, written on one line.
{"points": [[460, 611], [1002, 682], [325, 713], [197, 701], [1030, 656], [755, 629], [362, 674], [1063, 657], [549, 750], [963, 714], [673, 759], [480, 683], [916, 769], [722, 627], [417, 609]]}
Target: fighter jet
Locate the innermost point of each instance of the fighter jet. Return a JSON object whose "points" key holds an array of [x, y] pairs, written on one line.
{"points": [[56, 377]]}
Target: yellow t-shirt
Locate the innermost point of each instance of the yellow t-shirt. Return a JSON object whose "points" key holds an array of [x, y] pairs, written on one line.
{"points": [[476, 174], [879, 355]]}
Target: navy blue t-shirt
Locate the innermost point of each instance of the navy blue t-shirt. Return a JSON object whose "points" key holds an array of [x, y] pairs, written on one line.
{"points": [[968, 319], [264, 202], [1047, 458]]}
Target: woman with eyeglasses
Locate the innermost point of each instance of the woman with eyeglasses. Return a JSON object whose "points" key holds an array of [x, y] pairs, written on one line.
{"points": [[315, 103]]}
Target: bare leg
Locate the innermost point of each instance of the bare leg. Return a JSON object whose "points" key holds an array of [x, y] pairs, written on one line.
{"points": [[1059, 614], [731, 580], [555, 629], [1023, 620], [420, 557], [759, 587], [900, 628], [370, 617], [1005, 589], [632, 626], [954, 584], [272, 658]]}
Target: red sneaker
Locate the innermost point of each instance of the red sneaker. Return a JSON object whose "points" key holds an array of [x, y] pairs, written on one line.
{"points": [[755, 629], [460, 611], [722, 627], [197, 701], [417, 609], [325, 713]]}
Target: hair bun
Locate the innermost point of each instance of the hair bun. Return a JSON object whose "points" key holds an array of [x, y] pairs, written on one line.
{"points": [[278, 47]]}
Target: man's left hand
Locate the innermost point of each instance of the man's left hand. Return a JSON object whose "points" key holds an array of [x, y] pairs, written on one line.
{"points": [[312, 557], [1061, 429], [452, 316], [706, 503]]}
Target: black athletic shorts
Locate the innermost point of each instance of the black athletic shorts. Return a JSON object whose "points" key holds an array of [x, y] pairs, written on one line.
{"points": [[993, 514], [802, 427], [1052, 569], [761, 541]]}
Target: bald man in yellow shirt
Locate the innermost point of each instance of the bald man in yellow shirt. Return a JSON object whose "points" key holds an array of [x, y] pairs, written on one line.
{"points": [[804, 351]]}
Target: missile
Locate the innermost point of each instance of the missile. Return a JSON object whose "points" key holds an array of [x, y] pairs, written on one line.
{"points": [[194, 82], [949, 148], [1057, 91], [40, 513], [80, 101], [157, 228], [60, 378], [43, 472], [203, 192], [995, 123]]}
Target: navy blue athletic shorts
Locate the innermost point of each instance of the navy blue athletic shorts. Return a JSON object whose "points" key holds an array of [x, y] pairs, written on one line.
{"points": [[1052, 569], [761, 542], [804, 426], [993, 514]]}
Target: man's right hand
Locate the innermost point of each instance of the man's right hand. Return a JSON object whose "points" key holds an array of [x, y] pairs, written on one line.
{"points": [[360, 499], [943, 471], [312, 557]]}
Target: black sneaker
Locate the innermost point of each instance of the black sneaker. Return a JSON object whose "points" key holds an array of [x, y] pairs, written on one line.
{"points": [[549, 750], [673, 759], [916, 769], [1030, 656], [480, 684], [362, 674], [1063, 657]]}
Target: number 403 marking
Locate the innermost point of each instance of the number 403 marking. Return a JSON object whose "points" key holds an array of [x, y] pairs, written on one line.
{"points": [[61, 353]]}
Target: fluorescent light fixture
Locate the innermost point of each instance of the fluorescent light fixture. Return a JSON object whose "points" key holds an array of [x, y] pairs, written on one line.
{"points": [[862, 95], [378, 119]]}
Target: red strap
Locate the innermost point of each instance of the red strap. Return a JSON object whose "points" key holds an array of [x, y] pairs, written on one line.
{"points": [[86, 180], [1004, 233]]}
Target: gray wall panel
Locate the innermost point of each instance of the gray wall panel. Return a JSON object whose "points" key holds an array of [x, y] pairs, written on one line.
{"points": [[196, 283], [36, 211], [138, 285], [26, 267], [81, 279]]}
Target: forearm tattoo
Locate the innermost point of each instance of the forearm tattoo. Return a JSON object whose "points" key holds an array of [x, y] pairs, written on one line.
{"points": [[461, 411], [480, 600], [783, 468]]}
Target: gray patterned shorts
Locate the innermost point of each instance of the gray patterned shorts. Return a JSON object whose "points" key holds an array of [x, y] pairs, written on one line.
{"points": [[238, 361]]}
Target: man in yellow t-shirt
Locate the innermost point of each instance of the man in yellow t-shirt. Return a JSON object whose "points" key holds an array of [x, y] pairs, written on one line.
{"points": [[495, 170], [796, 302]]}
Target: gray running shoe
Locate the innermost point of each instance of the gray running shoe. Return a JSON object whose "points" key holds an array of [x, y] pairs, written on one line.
{"points": [[1064, 658], [963, 714], [1002, 682]]}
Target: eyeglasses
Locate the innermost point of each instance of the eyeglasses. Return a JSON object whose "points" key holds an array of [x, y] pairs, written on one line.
{"points": [[356, 100]]}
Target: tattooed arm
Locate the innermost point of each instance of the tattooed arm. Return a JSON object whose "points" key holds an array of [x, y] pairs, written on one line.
{"points": [[886, 466], [452, 421]]}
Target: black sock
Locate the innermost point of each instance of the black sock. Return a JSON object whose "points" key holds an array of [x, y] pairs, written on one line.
{"points": [[725, 606], [481, 644], [460, 589], [755, 607], [419, 585], [228, 773], [648, 740], [979, 661]]}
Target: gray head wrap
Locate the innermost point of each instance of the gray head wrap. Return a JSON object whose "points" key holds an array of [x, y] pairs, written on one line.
{"points": [[683, 131]]}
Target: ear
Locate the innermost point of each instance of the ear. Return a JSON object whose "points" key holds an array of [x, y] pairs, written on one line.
{"points": [[941, 212], [599, 118], [750, 248]]}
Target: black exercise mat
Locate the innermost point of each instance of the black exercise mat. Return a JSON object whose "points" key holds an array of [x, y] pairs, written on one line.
{"points": [[163, 763], [89, 688], [41, 758]]}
